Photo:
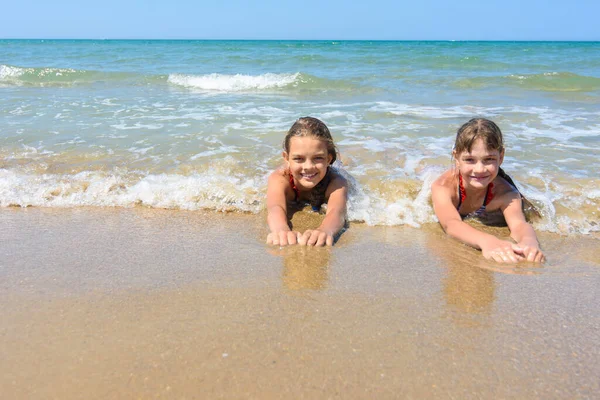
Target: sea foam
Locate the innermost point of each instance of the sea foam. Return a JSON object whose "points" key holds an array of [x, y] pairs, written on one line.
{"points": [[234, 83]]}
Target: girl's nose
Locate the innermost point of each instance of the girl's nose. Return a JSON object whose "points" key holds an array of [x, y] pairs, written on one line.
{"points": [[479, 167]]}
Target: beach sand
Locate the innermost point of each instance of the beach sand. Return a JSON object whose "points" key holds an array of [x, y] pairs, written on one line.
{"points": [[145, 303]]}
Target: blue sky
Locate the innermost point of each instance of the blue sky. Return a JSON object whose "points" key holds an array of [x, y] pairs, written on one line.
{"points": [[310, 19]]}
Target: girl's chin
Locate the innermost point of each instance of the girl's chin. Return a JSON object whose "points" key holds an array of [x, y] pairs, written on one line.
{"points": [[309, 183], [475, 182]]}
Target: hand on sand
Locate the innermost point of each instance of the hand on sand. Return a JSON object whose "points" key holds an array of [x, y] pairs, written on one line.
{"points": [[283, 238], [315, 237], [532, 253], [502, 251]]}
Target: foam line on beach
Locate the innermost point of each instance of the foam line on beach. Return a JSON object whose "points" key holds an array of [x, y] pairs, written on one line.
{"points": [[392, 201]]}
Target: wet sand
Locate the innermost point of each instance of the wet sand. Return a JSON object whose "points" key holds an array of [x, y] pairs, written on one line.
{"points": [[139, 303]]}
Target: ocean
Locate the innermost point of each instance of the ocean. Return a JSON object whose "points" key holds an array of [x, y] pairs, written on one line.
{"points": [[197, 125]]}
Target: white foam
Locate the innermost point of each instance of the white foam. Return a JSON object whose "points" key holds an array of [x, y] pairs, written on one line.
{"points": [[222, 189], [8, 72], [137, 125], [220, 150], [426, 111], [211, 191], [233, 83]]}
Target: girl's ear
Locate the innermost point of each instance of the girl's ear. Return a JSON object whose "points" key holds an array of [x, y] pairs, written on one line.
{"points": [[286, 157], [329, 159], [501, 157]]}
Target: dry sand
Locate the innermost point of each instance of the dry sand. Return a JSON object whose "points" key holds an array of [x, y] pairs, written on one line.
{"points": [[137, 303]]}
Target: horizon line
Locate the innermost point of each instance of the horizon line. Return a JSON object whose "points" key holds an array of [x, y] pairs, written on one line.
{"points": [[314, 40]]}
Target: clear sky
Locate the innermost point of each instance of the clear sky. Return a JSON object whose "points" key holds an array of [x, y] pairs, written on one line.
{"points": [[307, 19]]}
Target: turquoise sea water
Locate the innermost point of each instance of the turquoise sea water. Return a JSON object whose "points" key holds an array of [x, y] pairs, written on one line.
{"points": [[199, 124]]}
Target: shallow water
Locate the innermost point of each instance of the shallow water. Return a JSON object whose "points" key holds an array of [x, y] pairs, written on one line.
{"points": [[199, 124]]}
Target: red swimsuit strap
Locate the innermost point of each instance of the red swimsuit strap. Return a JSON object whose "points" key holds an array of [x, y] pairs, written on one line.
{"points": [[461, 190], [463, 193], [293, 185], [489, 195]]}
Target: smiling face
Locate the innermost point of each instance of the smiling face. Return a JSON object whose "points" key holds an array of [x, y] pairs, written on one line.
{"points": [[480, 166], [307, 161]]}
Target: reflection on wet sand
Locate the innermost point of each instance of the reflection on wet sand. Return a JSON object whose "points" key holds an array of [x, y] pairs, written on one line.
{"points": [[469, 284], [304, 267], [469, 288]]}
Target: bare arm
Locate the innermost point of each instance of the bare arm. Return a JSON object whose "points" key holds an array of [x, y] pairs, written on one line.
{"points": [[335, 218], [280, 234], [521, 231], [490, 246]]}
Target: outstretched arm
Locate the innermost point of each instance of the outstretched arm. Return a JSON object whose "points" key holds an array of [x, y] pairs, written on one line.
{"points": [[280, 234], [491, 247], [335, 218], [521, 231]]}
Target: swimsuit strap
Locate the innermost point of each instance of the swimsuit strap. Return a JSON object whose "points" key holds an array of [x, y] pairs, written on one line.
{"points": [[293, 185], [462, 194], [488, 194]]}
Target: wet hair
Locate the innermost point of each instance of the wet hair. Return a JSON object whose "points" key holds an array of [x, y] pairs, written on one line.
{"points": [[478, 128], [311, 127]]}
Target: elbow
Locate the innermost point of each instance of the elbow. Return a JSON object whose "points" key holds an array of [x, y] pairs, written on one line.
{"points": [[451, 228]]}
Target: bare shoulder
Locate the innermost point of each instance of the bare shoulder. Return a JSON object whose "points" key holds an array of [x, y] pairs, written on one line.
{"points": [[503, 189], [337, 179], [505, 194], [337, 184], [277, 177], [445, 182]]}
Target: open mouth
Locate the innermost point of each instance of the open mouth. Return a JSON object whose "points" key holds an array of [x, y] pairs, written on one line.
{"points": [[309, 176]]}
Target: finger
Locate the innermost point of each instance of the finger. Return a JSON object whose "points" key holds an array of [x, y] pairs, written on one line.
{"points": [[291, 237], [329, 241], [526, 251], [283, 238], [304, 238], [532, 255], [513, 258], [496, 257], [321, 239], [518, 249], [540, 257], [314, 236], [504, 257]]}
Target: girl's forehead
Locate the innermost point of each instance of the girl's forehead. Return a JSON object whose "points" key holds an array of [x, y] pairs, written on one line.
{"points": [[299, 143], [479, 147]]}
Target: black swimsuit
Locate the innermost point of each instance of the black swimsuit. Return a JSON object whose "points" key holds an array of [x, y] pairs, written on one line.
{"points": [[317, 194]]}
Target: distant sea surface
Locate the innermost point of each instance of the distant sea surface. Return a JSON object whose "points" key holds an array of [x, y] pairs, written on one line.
{"points": [[199, 124]]}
